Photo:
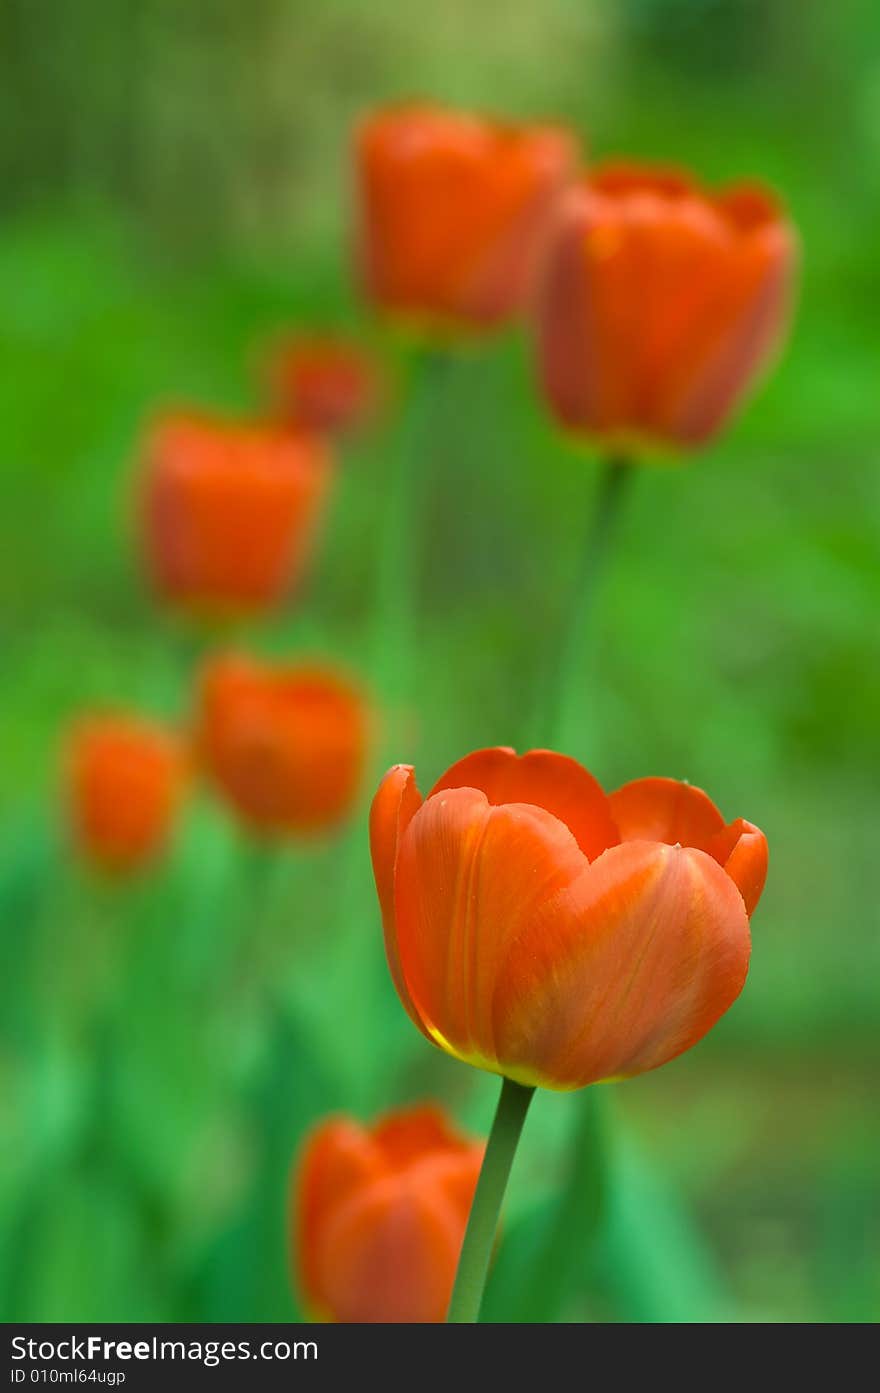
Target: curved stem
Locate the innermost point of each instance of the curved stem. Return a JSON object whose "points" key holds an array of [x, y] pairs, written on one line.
{"points": [[600, 533], [580, 1205], [473, 1265]]}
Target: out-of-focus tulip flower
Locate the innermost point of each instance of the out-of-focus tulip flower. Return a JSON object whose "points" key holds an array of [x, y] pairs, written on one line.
{"points": [[125, 777], [285, 744], [659, 304], [229, 511], [453, 209], [324, 384], [537, 928], [380, 1214]]}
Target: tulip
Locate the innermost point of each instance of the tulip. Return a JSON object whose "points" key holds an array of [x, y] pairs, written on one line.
{"points": [[124, 781], [659, 304], [323, 384], [229, 511], [284, 744], [543, 930], [453, 209], [379, 1216]]}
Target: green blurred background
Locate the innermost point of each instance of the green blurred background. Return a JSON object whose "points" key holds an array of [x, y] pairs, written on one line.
{"points": [[174, 189]]}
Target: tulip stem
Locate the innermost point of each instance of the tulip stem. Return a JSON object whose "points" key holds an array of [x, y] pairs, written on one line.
{"points": [[479, 1238], [601, 531]]}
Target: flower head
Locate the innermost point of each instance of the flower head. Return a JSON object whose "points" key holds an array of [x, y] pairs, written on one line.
{"points": [[283, 743], [125, 777], [229, 511], [324, 384], [453, 209], [380, 1215], [659, 303], [539, 928]]}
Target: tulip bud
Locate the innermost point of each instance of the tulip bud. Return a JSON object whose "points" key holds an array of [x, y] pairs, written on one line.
{"points": [[124, 781], [659, 304], [229, 511], [325, 385], [380, 1214], [284, 745], [452, 212]]}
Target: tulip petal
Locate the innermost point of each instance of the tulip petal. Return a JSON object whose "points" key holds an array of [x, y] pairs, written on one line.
{"points": [[741, 848], [553, 782], [457, 1175], [733, 338], [396, 802], [470, 879], [339, 1157], [404, 1136], [452, 208], [665, 810], [645, 951], [390, 1254]]}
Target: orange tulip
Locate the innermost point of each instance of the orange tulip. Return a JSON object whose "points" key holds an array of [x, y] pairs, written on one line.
{"points": [[326, 385], [380, 1216], [229, 511], [284, 744], [543, 930], [452, 210], [124, 781], [659, 304]]}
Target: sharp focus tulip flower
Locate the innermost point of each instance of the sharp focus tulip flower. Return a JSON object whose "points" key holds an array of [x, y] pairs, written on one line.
{"points": [[284, 744], [229, 511], [453, 209], [124, 781], [659, 304], [380, 1216], [541, 929], [326, 385]]}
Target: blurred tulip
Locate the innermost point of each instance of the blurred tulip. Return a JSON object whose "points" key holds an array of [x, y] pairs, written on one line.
{"points": [[659, 304], [124, 781], [229, 511], [537, 928], [326, 385], [284, 744], [380, 1216], [452, 211]]}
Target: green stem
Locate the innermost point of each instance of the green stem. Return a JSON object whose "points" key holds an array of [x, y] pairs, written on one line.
{"points": [[473, 1265], [582, 1200], [600, 533]]}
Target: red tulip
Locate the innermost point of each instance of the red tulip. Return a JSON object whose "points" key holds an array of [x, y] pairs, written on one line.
{"points": [[324, 384], [380, 1216], [230, 510], [659, 304], [124, 781], [453, 209], [537, 928], [284, 744]]}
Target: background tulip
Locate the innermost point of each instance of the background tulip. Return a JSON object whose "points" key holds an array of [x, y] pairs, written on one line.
{"points": [[324, 384], [285, 744], [541, 930], [379, 1216], [124, 781], [228, 511], [452, 211], [659, 304]]}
